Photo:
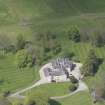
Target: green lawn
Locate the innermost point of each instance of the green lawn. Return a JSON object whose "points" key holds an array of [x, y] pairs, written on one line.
{"points": [[82, 98], [14, 78], [54, 89]]}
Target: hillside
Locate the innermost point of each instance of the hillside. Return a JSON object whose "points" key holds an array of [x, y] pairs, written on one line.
{"points": [[40, 8], [34, 18], [26, 16]]}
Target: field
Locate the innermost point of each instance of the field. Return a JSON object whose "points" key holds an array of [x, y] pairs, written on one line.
{"points": [[80, 98], [77, 99], [53, 89], [27, 17], [13, 78]]}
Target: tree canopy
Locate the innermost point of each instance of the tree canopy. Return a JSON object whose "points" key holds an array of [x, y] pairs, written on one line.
{"points": [[91, 64], [74, 34], [25, 58]]}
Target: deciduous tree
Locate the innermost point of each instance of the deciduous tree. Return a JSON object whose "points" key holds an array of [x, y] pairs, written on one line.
{"points": [[91, 64], [74, 34]]}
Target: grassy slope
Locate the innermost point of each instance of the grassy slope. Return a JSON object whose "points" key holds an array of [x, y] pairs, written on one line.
{"points": [[51, 7], [53, 14], [52, 89], [82, 98], [14, 78], [57, 15]]}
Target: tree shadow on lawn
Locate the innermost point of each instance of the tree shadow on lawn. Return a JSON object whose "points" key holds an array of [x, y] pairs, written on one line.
{"points": [[54, 102]]}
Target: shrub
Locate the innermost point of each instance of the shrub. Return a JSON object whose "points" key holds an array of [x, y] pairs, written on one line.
{"points": [[73, 79], [57, 48], [68, 54], [46, 49], [72, 87], [74, 34], [6, 93]]}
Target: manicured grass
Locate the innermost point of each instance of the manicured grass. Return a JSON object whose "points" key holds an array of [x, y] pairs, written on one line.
{"points": [[14, 78], [53, 89], [82, 98]]}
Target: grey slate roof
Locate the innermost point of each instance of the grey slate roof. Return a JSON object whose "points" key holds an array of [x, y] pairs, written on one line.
{"points": [[59, 65]]}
